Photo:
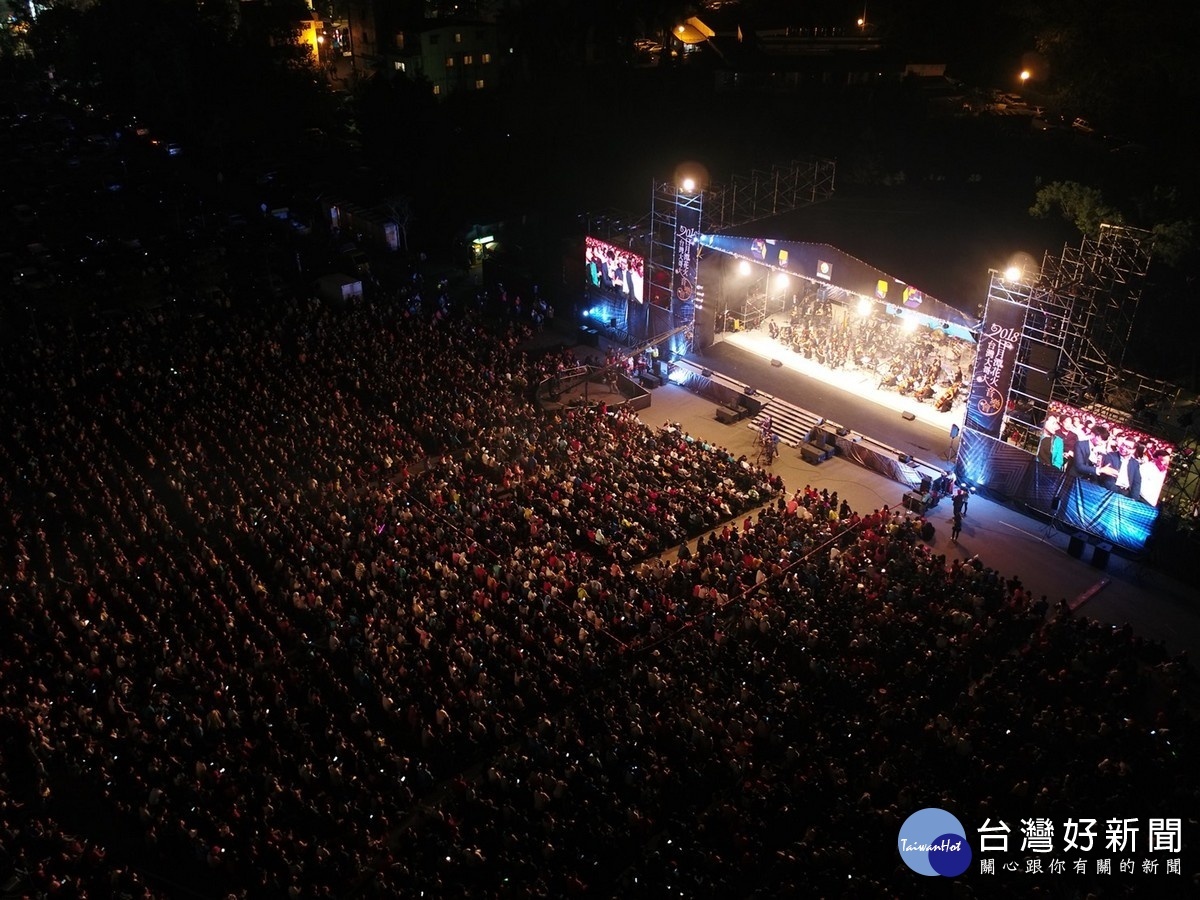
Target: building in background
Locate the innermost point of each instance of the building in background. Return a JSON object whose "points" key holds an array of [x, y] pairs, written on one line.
{"points": [[452, 46]]}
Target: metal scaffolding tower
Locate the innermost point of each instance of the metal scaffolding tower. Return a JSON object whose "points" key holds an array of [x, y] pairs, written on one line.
{"points": [[1080, 310], [1081, 306], [1099, 284], [670, 204], [746, 198]]}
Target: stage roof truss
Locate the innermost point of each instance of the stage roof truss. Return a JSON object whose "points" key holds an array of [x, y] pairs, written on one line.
{"points": [[768, 192]]}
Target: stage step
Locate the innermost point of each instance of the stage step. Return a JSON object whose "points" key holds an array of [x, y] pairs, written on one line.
{"points": [[791, 423]]}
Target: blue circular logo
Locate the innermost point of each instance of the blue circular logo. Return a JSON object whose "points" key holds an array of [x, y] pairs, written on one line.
{"points": [[933, 842]]}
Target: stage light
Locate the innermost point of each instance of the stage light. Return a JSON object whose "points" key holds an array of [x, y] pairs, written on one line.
{"points": [[864, 306], [1021, 268], [743, 267], [782, 280], [909, 323], [690, 177]]}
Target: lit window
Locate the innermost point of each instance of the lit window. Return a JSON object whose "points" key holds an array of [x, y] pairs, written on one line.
{"points": [[458, 37], [437, 89], [479, 84], [449, 62], [399, 66], [487, 58], [468, 60]]}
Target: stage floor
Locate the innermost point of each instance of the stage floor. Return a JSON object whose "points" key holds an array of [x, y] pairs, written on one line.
{"points": [[865, 384]]}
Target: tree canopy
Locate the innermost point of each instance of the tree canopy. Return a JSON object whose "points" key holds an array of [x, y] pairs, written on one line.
{"points": [[1086, 208]]}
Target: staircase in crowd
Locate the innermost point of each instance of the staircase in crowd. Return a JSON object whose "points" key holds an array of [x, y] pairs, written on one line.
{"points": [[791, 423]]}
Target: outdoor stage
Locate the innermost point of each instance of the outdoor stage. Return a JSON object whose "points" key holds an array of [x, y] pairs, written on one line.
{"points": [[864, 384]]}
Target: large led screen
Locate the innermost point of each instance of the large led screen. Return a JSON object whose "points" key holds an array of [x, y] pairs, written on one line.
{"points": [[1110, 454], [614, 269]]}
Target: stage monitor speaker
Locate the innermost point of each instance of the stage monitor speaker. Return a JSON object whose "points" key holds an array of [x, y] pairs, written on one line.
{"points": [[926, 484], [707, 373], [908, 415], [903, 457], [842, 432], [726, 416], [1075, 545], [777, 363], [812, 455]]}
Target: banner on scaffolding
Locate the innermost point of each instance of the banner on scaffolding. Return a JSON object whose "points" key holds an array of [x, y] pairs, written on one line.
{"points": [[687, 249], [994, 364]]}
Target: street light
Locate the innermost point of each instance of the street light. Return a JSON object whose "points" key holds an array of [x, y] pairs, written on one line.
{"points": [[1025, 76]]}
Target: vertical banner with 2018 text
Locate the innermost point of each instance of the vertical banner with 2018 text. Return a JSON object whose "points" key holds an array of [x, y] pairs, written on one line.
{"points": [[687, 248], [994, 364]]}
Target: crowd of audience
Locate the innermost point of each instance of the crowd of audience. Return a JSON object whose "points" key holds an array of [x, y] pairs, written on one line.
{"points": [[317, 602]]}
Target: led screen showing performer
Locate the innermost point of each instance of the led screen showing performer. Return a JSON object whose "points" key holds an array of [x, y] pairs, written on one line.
{"points": [[614, 269], [1110, 454]]}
